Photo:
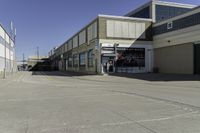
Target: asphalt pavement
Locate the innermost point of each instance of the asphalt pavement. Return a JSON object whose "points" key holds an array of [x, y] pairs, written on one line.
{"points": [[61, 102]]}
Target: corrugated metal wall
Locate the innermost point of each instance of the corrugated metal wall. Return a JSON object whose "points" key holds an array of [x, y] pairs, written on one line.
{"points": [[121, 29], [6, 45]]}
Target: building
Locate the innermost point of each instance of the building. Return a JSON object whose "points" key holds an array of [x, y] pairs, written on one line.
{"points": [[177, 43], [38, 63], [97, 44], [176, 35], [22, 65], [160, 10], [158, 35], [7, 53]]}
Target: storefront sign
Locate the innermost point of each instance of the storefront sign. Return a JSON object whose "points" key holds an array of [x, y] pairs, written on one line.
{"points": [[109, 55], [108, 50]]}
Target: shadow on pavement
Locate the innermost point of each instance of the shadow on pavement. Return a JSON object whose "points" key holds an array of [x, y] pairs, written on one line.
{"points": [[159, 77], [142, 76], [59, 73]]}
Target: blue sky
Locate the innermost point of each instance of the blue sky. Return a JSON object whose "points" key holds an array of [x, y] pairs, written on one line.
{"points": [[49, 23]]}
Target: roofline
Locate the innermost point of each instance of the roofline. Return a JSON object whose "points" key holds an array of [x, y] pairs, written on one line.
{"points": [[195, 10], [175, 4], [127, 18], [139, 8], [104, 16], [157, 2], [76, 33]]}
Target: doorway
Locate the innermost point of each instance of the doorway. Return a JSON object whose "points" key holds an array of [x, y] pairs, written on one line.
{"points": [[197, 59], [108, 64]]}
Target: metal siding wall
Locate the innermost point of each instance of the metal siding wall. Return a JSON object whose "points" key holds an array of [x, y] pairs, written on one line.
{"points": [[143, 36], [7, 53], [110, 28], [120, 29], [8, 65], [89, 33], [75, 42], [11, 55], [132, 27], [2, 63], [138, 30], [7, 38], [2, 32], [177, 37], [166, 12], [117, 29], [178, 24], [2, 50], [82, 37], [5, 41], [125, 29], [66, 47], [12, 43], [92, 31], [70, 45]]}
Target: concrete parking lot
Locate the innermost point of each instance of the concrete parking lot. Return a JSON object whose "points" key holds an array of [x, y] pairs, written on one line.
{"points": [[56, 102]]}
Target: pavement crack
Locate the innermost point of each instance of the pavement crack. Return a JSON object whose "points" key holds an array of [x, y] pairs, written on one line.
{"points": [[137, 123], [26, 128], [193, 107]]}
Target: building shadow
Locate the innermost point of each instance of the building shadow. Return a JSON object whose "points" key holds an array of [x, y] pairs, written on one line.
{"points": [[60, 73], [39, 65], [159, 77], [152, 77]]}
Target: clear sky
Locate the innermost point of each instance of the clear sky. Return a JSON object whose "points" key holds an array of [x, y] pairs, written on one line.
{"points": [[49, 23]]}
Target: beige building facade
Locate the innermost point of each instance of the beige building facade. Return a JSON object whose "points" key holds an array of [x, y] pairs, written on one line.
{"points": [[95, 49], [156, 37]]}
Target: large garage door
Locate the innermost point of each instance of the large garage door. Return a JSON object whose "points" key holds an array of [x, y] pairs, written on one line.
{"points": [[175, 59], [197, 59]]}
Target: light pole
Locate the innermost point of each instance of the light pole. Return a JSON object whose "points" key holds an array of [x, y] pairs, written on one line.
{"points": [[4, 75], [14, 58]]}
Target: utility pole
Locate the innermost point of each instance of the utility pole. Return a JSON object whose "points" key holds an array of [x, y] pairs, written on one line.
{"points": [[23, 61]]}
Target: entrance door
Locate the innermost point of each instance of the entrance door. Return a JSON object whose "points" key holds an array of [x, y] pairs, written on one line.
{"points": [[197, 59], [110, 66], [66, 64]]}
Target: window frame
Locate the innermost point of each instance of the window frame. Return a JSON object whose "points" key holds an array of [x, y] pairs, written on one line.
{"points": [[169, 25], [75, 60], [90, 58], [82, 61]]}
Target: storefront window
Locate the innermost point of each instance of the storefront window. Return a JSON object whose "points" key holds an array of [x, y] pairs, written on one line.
{"points": [[90, 58], [70, 60], [130, 57], [75, 60], [82, 59]]}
